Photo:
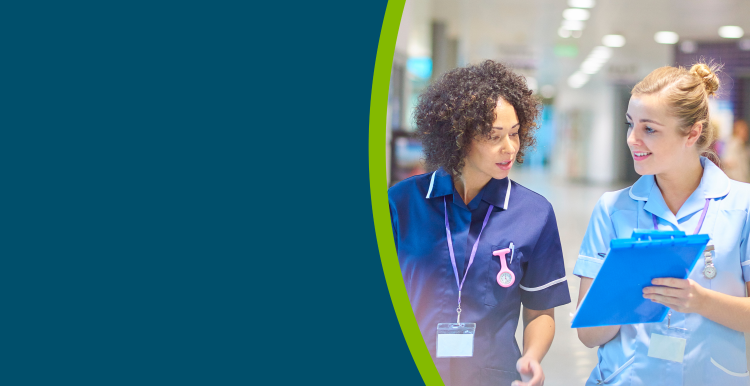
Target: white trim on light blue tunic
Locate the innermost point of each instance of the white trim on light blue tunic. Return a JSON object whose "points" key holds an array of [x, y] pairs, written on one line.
{"points": [[714, 354]]}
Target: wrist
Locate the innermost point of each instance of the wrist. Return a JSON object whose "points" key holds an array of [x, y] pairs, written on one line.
{"points": [[532, 355], [703, 300]]}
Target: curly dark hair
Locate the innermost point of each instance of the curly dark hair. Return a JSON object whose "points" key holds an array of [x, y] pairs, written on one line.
{"points": [[460, 106]]}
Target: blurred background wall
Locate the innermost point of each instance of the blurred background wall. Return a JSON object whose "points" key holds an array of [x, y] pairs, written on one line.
{"points": [[580, 57]]}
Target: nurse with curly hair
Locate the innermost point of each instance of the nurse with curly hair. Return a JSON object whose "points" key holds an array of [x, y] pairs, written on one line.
{"points": [[473, 245]]}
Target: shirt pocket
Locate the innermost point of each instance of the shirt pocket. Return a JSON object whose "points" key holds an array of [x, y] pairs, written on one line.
{"points": [[496, 294], [718, 374]]}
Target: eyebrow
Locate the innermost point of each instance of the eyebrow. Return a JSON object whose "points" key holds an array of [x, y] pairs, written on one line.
{"points": [[512, 127], [645, 120]]}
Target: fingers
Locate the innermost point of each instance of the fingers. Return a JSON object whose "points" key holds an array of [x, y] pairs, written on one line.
{"points": [[665, 291], [538, 377], [523, 366], [526, 367], [670, 282], [665, 300], [672, 303]]}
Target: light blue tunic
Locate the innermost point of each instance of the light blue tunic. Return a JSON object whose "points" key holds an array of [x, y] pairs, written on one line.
{"points": [[714, 354]]}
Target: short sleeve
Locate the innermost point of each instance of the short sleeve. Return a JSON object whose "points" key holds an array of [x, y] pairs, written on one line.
{"points": [[544, 285], [745, 250], [595, 243]]}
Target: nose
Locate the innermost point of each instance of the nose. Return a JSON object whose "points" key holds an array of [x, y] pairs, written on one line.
{"points": [[507, 146], [632, 139]]}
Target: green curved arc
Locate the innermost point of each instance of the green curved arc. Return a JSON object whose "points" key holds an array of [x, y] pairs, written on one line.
{"points": [[379, 197]]}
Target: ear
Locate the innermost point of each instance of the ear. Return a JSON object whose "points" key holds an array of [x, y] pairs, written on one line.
{"points": [[694, 134]]}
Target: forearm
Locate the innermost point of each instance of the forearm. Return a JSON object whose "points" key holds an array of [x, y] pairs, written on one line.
{"points": [[538, 332], [593, 336], [596, 336], [727, 310]]}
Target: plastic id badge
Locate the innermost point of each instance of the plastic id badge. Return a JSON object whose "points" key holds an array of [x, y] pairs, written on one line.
{"points": [[667, 347], [455, 340]]}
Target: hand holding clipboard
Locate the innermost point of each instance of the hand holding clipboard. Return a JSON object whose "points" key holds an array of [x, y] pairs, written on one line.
{"points": [[616, 294]]}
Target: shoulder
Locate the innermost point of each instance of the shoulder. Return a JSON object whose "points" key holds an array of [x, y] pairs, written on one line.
{"points": [[739, 195], [612, 202], [527, 197], [415, 186]]}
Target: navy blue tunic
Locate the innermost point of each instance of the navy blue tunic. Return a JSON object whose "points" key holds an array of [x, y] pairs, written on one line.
{"points": [[520, 216]]}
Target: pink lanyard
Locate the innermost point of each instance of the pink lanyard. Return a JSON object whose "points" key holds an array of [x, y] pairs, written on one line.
{"points": [[471, 257], [700, 222]]}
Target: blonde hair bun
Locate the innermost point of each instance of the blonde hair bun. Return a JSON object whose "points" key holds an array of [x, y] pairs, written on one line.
{"points": [[706, 73]]}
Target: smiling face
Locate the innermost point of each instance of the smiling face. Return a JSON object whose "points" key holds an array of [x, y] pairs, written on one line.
{"points": [[654, 137], [494, 156]]}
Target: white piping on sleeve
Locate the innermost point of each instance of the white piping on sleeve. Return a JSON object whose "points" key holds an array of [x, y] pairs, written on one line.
{"points": [[744, 263], [560, 280], [507, 196], [432, 181]]}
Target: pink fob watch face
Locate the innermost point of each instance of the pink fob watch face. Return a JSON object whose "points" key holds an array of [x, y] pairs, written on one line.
{"points": [[505, 277]]}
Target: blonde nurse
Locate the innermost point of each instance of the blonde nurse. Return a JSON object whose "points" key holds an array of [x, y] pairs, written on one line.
{"points": [[702, 341]]}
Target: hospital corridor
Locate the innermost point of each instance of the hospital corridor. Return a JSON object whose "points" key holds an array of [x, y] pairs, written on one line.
{"points": [[580, 59]]}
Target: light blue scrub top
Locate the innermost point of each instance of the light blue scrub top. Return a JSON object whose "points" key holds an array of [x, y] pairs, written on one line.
{"points": [[714, 354]]}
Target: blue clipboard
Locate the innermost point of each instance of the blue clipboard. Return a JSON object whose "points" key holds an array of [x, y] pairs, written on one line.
{"points": [[616, 295]]}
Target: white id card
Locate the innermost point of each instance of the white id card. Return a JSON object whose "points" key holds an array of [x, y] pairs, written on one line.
{"points": [[667, 347], [455, 340]]}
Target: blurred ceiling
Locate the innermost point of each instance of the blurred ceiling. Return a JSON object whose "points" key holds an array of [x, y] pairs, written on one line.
{"points": [[526, 31]]}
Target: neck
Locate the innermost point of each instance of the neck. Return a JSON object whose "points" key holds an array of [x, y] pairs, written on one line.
{"points": [[469, 184], [676, 186]]}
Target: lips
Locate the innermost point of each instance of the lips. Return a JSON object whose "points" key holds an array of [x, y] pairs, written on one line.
{"points": [[505, 165], [641, 155]]}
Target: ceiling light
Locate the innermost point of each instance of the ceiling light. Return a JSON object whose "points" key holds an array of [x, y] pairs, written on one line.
{"points": [[613, 40], [731, 32], [601, 52], [572, 25], [594, 62], [578, 79], [590, 68], [563, 32], [666, 37], [581, 3], [575, 14], [596, 59], [688, 46]]}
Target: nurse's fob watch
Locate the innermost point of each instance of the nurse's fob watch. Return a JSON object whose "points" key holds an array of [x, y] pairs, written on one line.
{"points": [[709, 271], [505, 277]]}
